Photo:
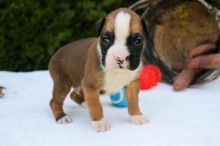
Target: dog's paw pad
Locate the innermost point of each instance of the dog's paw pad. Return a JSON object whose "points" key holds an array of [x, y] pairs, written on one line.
{"points": [[64, 120], [139, 120], [101, 125]]}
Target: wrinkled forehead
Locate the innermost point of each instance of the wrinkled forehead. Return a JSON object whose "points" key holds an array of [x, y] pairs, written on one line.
{"points": [[123, 21]]}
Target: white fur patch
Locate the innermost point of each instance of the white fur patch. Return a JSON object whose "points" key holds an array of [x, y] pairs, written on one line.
{"points": [[116, 79], [122, 27], [139, 119], [119, 48], [64, 120], [101, 125]]}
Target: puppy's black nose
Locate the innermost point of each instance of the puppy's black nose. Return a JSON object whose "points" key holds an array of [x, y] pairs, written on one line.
{"points": [[120, 61]]}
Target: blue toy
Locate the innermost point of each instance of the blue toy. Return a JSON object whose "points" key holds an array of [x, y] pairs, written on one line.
{"points": [[119, 99]]}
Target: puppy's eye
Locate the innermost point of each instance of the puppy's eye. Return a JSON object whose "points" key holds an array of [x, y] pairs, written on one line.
{"points": [[137, 41], [105, 40]]}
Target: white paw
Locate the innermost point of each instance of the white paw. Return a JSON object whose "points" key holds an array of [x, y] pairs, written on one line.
{"points": [[101, 125], [64, 120], [139, 120], [84, 104]]}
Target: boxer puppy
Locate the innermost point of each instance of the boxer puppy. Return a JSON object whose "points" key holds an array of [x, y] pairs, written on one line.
{"points": [[105, 64]]}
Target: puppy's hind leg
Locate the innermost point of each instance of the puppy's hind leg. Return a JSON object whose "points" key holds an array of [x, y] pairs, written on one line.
{"points": [[78, 97], [60, 90]]}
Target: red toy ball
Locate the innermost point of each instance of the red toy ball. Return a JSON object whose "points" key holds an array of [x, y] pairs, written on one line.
{"points": [[149, 77]]}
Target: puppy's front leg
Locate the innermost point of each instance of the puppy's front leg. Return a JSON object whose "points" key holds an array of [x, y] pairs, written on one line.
{"points": [[132, 90], [95, 109]]}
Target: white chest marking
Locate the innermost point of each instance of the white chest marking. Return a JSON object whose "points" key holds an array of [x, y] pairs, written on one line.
{"points": [[116, 79]]}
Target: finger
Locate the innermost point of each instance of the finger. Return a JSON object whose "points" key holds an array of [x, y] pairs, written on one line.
{"points": [[202, 49], [205, 62], [184, 79]]}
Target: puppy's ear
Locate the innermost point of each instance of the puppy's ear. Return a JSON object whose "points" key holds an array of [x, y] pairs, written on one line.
{"points": [[99, 25]]}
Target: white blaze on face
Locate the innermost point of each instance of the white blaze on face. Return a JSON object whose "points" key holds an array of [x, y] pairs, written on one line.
{"points": [[119, 48], [116, 78]]}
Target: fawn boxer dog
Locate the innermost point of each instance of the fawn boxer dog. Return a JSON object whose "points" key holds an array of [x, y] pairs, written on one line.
{"points": [[101, 65]]}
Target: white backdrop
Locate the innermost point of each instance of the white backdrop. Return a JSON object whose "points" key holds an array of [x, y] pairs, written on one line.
{"points": [[188, 118]]}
